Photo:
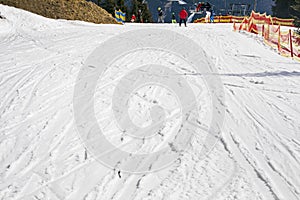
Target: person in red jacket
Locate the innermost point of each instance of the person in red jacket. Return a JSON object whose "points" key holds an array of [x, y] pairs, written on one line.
{"points": [[133, 18], [183, 15], [199, 6]]}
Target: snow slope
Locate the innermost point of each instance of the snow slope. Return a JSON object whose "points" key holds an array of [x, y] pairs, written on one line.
{"points": [[42, 156]]}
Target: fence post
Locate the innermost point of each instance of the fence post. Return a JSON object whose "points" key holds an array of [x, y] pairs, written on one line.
{"points": [[279, 35], [291, 43], [268, 32]]}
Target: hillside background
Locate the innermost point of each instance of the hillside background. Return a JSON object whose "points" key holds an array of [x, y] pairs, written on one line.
{"points": [[220, 6]]}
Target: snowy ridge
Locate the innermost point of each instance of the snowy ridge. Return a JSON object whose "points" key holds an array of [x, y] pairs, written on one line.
{"points": [[42, 157]]}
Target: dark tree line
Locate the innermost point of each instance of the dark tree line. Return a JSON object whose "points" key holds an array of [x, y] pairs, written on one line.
{"points": [[135, 5], [287, 9], [296, 15]]}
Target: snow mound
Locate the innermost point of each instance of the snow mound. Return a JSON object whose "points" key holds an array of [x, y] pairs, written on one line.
{"points": [[41, 154]]}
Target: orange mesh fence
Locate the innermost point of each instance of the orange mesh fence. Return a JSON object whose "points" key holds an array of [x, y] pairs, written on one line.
{"points": [[295, 45], [283, 22], [222, 19], [256, 18], [201, 20], [286, 42]]}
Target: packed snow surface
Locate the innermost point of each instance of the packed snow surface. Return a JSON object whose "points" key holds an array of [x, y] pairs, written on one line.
{"points": [[257, 154]]}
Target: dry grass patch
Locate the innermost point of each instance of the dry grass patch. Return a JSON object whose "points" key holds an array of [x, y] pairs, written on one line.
{"points": [[64, 9]]}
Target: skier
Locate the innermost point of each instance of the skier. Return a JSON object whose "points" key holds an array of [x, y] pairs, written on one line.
{"points": [[133, 18], [139, 17], [160, 15], [199, 6], [207, 17], [173, 18], [207, 8], [183, 15], [212, 17]]}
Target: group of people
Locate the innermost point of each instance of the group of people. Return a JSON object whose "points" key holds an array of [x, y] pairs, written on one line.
{"points": [[203, 6], [200, 7], [182, 16], [207, 8]]}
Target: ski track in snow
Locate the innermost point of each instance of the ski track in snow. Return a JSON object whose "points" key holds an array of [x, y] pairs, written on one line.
{"points": [[41, 154]]}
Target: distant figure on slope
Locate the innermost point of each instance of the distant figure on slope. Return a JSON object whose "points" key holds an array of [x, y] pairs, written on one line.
{"points": [[212, 17], [207, 17], [160, 15], [140, 16], [183, 15], [207, 8], [173, 18], [199, 6], [133, 18]]}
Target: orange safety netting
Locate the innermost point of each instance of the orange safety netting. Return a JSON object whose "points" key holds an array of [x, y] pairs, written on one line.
{"points": [[256, 18], [222, 19], [287, 42]]}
